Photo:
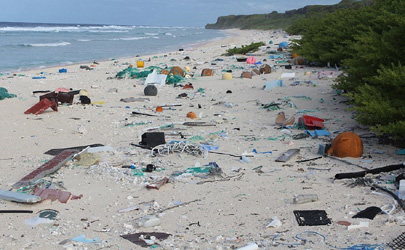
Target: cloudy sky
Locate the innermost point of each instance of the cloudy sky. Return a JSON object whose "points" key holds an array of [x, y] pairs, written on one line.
{"points": [[141, 12]]}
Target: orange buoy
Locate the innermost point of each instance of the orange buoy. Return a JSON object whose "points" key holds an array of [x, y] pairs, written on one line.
{"points": [[191, 115], [346, 144], [159, 109]]}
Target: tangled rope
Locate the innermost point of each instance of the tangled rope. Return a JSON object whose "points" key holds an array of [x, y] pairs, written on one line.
{"points": [[302, 241], [180, 147]]}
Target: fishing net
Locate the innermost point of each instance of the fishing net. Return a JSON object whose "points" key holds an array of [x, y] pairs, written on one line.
{"points": [[4, 94]]}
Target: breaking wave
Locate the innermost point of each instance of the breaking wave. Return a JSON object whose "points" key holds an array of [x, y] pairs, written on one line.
{"points": [[46, 44]]}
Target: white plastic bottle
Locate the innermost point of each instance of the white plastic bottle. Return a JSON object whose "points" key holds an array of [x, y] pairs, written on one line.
{"points": [[305, 198], [401, 190], [149, 221]]}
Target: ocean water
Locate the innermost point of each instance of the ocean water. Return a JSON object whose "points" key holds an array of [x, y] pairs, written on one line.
{"points": [[31, 45]]}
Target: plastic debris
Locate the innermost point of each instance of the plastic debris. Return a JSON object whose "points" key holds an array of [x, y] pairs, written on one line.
{"points": [[368, 213], [33, 222], [273, 84], [4, 94], [400, 152], [19, 197], [250, 246], [47, 168], [288, 155], [148, 221], [311, 217], [318, 132], [146, 239], [305, 198], [83, 239], [274, 222], [360, 225]]}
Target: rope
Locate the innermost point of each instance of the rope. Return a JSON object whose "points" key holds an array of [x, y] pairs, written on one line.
{"points": [[180, 147], [354, 247]]}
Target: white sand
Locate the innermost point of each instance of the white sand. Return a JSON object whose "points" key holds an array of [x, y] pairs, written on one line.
{"points": [[230, 213]]}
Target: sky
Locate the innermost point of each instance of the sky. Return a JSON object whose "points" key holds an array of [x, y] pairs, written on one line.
{"points": [[188, 13]]}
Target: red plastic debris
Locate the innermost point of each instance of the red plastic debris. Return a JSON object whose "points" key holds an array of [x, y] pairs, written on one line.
{"points": [[41, 106], [311, 122], [52, 194], [76, 197]]}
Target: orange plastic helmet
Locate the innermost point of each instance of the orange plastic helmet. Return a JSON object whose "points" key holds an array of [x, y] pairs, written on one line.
{"points": [[159, 109], [191, 115]]}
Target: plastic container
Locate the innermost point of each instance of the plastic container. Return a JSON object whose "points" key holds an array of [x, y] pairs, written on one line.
{"points": [[140, 64], [305, 198], [227, 76], [148, 221], [401, 190]]}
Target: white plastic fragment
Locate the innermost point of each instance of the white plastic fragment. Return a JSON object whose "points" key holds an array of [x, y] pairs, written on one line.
{"points": [[38, 220], [274, 222], [250, 246], [401, 191], [128, 209], [149, 221], [18, 197], [155, 78], [244, 159], [100, 149], [361, 224]]}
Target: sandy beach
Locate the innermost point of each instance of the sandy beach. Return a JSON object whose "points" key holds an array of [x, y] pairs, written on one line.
{"points": [[199, 210]]}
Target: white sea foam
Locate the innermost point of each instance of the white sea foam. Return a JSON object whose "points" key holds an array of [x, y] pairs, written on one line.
{"points": [[133, 38], [47, 44], [109, 28]]}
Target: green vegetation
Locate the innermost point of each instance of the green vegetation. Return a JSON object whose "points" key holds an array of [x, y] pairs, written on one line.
{"points": [[275, 20], [368, 43], [244, 49]]}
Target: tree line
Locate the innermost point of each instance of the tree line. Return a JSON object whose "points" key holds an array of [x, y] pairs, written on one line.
{"points": [[368, 43]]}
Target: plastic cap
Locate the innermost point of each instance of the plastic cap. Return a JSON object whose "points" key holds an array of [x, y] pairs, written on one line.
{"points": [[191, 115]]}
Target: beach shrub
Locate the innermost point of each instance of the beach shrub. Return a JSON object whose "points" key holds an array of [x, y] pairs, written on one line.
{"points": [[381, 104], [368, 43], [253, 47]]}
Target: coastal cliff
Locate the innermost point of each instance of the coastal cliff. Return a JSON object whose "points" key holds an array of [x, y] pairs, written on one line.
{"points": [[275, 20]]}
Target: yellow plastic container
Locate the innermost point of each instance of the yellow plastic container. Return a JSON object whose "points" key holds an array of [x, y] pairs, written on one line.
{"points": [[140, 64], [227, 76]]}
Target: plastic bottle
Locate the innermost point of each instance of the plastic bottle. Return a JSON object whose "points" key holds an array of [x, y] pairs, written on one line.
{"points": [[305, 198], [401, 190], [149, 221]]}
